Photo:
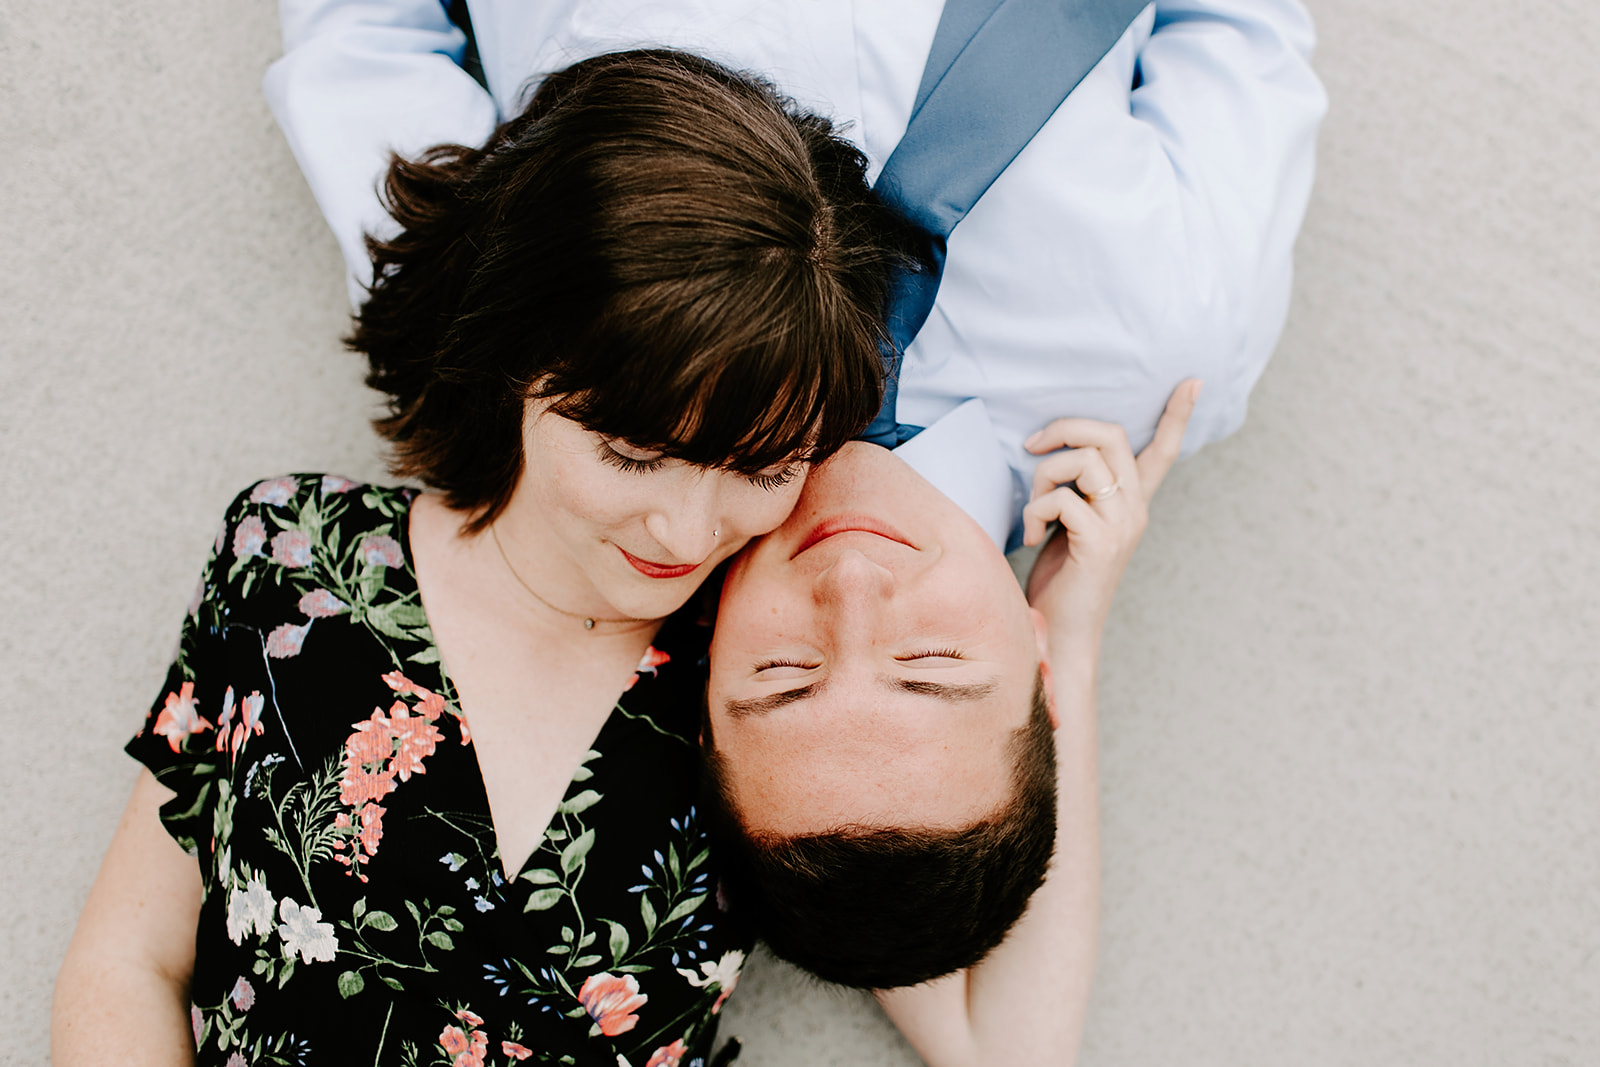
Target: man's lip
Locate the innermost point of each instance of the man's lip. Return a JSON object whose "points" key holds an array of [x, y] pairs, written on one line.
{"points": [[656, 570], [839, 524]]}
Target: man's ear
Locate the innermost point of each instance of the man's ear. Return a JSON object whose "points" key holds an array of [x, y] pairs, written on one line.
{"points": [[1041, 637]]}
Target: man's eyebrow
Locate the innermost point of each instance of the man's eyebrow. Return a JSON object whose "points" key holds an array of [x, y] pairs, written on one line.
{"points": [[946, 691], [738, 709]]}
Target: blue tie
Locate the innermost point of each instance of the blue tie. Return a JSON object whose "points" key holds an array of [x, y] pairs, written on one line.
{"points": [[996, 72]]}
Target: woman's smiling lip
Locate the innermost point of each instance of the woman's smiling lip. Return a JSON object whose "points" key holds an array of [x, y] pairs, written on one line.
{"points": [[839, 524], [656, 570]]}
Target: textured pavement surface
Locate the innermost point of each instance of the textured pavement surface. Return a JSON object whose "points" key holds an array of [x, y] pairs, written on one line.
{"points": [[1350, 697]]}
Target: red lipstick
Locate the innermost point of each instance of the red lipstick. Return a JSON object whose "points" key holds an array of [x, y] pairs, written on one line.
{"points": [[656, 570], [839, 524]]}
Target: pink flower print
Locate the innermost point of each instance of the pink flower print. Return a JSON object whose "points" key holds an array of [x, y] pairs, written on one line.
{"points": [[429, 703], [249, 536], [653, 658], [453, 1040], [332, 483], [250, 712], [321, 604], [180, 717], [400, 683], [417, 739], [237, 1060], [274, 491], [224, 719], [514, 1050], [243, 995], [381, 550], [292, 548], [372, 829], [221, 539], [197, 1023], [469, 1017], [286, 640], [667, 1055], [466, 1051], [611, 1001], [366, 778]]}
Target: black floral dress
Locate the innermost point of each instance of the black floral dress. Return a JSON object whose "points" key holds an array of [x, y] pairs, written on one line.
{"points": [[354, 906]]}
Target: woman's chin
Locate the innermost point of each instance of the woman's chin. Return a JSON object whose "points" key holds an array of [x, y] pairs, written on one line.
{"points": [[634, 599]]}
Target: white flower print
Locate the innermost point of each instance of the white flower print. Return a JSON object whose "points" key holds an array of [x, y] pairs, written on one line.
{"points": [[249, 910], [724, 974], [303, 932]]}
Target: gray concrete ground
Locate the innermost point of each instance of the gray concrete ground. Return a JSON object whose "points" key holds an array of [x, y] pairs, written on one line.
{"points": [[1352, 808]]}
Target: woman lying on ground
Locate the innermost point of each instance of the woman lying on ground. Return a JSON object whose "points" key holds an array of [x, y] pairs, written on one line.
{"points": [[613, 341]]}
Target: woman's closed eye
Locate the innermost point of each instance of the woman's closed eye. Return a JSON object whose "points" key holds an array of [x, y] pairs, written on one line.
{"points": [[776, 478], [623, 456]]}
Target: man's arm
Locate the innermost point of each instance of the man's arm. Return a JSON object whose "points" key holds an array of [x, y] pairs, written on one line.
{"points": [[1227, 90], [360, 79], [122, 995], [1025, 1003]]}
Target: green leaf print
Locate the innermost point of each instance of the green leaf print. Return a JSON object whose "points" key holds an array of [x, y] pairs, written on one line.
{"points": [[574, 853], [380, 920], [579, 804], [351, 983], [544, 899], [619, 939]]}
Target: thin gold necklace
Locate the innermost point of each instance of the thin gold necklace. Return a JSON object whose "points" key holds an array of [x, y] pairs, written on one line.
{"points": [[588, 620]]}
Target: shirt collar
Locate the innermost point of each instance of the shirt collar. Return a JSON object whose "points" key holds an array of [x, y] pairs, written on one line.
{"points": [[961, 457]]}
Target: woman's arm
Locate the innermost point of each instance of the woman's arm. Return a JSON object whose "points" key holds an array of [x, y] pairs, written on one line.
{"points": [[122, 995], [1025, 1003]]}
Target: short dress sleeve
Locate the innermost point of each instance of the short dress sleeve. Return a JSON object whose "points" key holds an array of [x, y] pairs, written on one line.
{"points": [[180, 740]]}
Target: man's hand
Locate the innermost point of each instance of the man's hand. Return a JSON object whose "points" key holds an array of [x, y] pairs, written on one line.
{"points": [[1100, 493]]}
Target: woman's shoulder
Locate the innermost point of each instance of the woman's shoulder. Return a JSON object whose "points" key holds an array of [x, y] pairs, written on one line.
{"points": [[285, 518], [296, 492]]}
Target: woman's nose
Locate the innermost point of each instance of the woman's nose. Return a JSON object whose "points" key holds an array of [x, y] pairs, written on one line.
{"points": [[685, 521]]}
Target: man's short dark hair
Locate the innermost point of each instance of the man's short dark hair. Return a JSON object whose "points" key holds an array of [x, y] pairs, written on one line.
{"points": [[665, 249], [884, 907]]}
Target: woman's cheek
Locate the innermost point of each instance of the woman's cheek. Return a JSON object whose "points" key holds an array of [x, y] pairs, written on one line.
{"points": [[765, 509], [594, 493]]}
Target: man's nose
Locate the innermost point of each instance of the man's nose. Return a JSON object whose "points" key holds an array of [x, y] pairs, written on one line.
{"points": [[685, 520], [855, 584]]}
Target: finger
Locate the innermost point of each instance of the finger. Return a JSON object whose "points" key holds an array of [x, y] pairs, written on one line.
{"points": [[1084, 466], [1161, 453], [1060, 505], [1108, 437]]}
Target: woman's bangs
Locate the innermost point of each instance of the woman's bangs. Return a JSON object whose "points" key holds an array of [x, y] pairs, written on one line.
{"points": [[792, 386]]}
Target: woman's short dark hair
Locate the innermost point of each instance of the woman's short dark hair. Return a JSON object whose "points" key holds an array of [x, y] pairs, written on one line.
{"points": [[664, 249]]}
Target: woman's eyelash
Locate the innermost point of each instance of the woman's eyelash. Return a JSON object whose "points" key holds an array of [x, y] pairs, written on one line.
{"points": [[628, 463], [936, 653], [785, 663], [775, 481]]}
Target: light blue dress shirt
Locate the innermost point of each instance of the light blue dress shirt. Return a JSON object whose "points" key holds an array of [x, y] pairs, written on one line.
{"points": [[1142, 237]]}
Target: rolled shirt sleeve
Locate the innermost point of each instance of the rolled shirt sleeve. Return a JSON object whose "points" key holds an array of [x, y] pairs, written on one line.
{"points": [[360, 79]]}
